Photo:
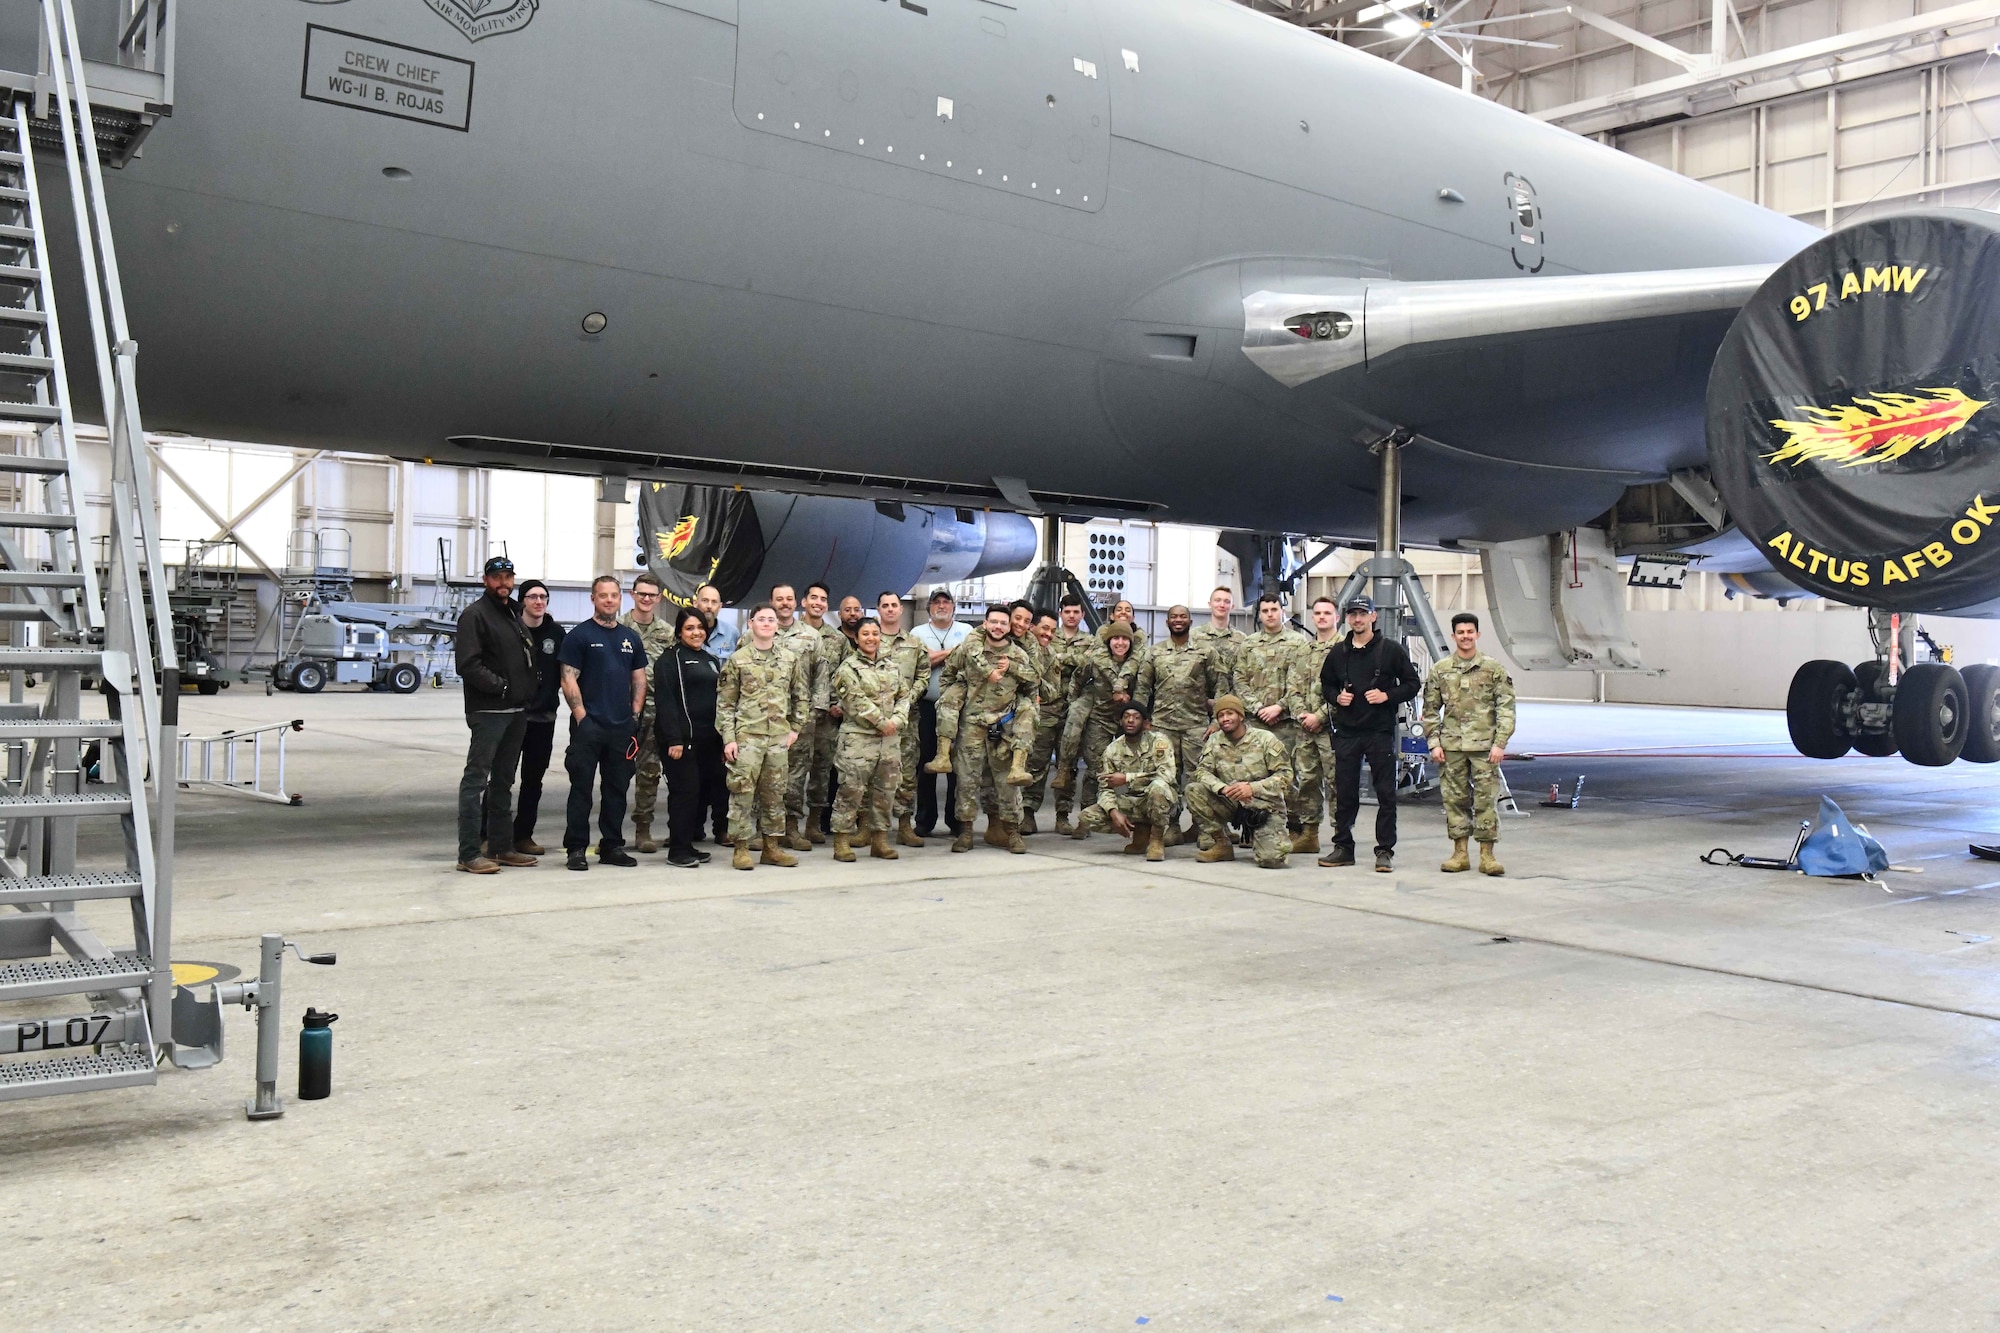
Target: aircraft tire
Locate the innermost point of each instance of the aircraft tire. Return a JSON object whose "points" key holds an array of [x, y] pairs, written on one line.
{"points": [[1812, 708], [1931, 714], [1875, 745], [1982, 711]]}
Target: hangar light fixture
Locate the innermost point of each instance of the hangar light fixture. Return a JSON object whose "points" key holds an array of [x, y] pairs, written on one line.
{"points": [[1402, 27], [1373, 12]]}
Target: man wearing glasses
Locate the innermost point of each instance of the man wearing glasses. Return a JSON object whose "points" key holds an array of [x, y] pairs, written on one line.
{"points": [[539, 739], [645, 620], [496, 660]]}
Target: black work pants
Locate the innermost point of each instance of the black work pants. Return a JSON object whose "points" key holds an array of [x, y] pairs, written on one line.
{"points": [[486, 788], [596, 750], [694, 786], [927, 805], [537, 744], [1379, 749]]}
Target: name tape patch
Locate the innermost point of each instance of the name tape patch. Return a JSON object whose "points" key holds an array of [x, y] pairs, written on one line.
{"points": [[347, 69]]}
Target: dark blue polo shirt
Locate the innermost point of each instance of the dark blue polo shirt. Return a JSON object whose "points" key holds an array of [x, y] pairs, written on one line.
{"points": [[604, 660]]}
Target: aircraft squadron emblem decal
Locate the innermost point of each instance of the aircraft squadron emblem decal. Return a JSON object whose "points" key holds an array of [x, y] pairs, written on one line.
{"points": [[673, 543], [485, 18], [1878, 429]]}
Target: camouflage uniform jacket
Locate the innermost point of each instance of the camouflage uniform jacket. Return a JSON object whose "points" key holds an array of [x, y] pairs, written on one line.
{"points": [[1099, 676], [1469, 705], [1069, 652], [973, 661], [803, 642], [1223, 646], [763, 693], [871, 692], [912, 659], [1258, 759], [834, 648], [1048, 667], [1268, 671], [1176, 683], [1312, 699], [1140, 758], [658, 638]]}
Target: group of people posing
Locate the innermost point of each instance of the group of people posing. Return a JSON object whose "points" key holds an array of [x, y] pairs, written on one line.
{"points": [[819, 726]]}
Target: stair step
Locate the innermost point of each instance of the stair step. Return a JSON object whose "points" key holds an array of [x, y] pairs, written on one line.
{"points": [[26, 365], [9, 232], [20, 272], [85, 884], [28, 612], [36, 463], [9, 194], [103, 801], [13, 314], [54, 522], [47, 658], [75, 1073], [71, 976], [58, 727], [29, 412], [10, 159], [37, 578]]}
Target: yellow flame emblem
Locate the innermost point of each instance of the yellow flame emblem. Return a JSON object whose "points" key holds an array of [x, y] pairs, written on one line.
{"points": [[1880, 429], [673, 543]]}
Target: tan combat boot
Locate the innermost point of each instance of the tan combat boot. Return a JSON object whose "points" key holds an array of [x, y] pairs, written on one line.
{"points": [[1060, 782], [941, 764], [1457, 861], [1017, 772], [1307, 840], [879, 848], [795, 837], [963, 842], [906, 833], [1156, 843], [1010, 838], [1137, 846], [776, 855], [1488, 864], [996, 832], [1063, 827], [741, 859], [842, 851], [813, 822], [1222, 849], [1028, 829], [642, 836], [1174, 835]]}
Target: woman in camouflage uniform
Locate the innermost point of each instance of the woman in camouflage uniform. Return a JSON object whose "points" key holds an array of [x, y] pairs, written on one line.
{"points": [[873, 694], [1105, 680]]}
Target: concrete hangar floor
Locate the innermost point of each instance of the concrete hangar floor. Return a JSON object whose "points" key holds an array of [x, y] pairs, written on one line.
{"points": [[1065, 1091]]}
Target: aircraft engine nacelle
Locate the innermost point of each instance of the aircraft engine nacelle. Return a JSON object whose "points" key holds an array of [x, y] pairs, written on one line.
{"points": [[1854, 414]]}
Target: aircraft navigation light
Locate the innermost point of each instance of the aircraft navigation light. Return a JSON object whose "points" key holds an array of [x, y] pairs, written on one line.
{"points": [[594, 322]]}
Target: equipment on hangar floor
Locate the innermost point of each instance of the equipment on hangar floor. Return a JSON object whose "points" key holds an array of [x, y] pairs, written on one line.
{"points": [[198, 1023], [332, 639]]}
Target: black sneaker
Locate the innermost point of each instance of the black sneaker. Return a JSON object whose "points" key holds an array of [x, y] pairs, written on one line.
{"points": [[1339, 856], [701, 856], [1382, 861], [615, 856], [685, 858], [576, 860]]}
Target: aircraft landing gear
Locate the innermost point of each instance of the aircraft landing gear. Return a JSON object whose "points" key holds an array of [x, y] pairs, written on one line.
{"points": [[1928, 711]]}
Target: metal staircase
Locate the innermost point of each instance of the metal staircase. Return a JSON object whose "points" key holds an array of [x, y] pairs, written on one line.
{"points": [[109, 1007]]}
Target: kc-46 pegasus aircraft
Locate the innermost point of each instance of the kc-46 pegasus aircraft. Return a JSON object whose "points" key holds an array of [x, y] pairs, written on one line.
{"points": [[1160, 258]]}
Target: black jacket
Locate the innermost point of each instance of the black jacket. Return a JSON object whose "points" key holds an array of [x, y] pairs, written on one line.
{"points": [[1382, 665], [547, 638], [496, 658], [684, 711]]}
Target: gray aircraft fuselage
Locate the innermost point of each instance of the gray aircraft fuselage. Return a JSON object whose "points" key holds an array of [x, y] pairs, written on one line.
{"points": [[938, 239]]}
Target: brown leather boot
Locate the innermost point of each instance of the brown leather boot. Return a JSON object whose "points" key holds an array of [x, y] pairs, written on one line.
{"points": [[1017, 772], [774, 855], [941, 764], [1222, 849], [741, 859], [529, 847], [1457, 861], [516, 859], [795, 837], [879, 848], [1156, 844], [1137, 846], [1488, 863], [906, 833], [642, 836], [963, 842], [1307, 841], [1011, 840], [813, 821]]}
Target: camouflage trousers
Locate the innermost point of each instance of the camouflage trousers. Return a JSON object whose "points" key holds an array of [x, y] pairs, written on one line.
{"points": [[1187, 743], [1097, 733], [871, 769], [825, 759], [1469, 782], [1040, 759], [810, 766], [1313, 760], [978, 762], [1020, 728], [1212, 814], [1144, 803], [756, 783], [1289, 733], [646, 783], [906, 785]]}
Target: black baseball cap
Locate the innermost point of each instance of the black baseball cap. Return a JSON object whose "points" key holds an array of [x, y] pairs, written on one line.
{"points": [[499, 564]]}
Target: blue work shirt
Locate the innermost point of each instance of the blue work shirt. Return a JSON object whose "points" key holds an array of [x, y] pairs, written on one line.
{"points": [[604, 660]]}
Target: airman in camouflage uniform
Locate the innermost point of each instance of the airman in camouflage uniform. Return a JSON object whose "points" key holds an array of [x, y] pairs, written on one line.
{"points": [[953, 684], [990, 653], [1051, 704], [1072, 646], [914, 661], [834, 648], [1314, 757], [873, 694], [657, 634], [1138, 789], [1242, 771], [1177, 681], [803, 640], [1468, 719], [1222, 639], [761, 702], [1101, 679], [1270, 675]]}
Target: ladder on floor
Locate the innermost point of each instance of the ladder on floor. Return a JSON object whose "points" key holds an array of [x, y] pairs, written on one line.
{"points": [[108, 1007]]}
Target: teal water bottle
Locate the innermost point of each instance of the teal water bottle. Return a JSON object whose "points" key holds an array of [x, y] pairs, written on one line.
{"points": [[316, 1056]]}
